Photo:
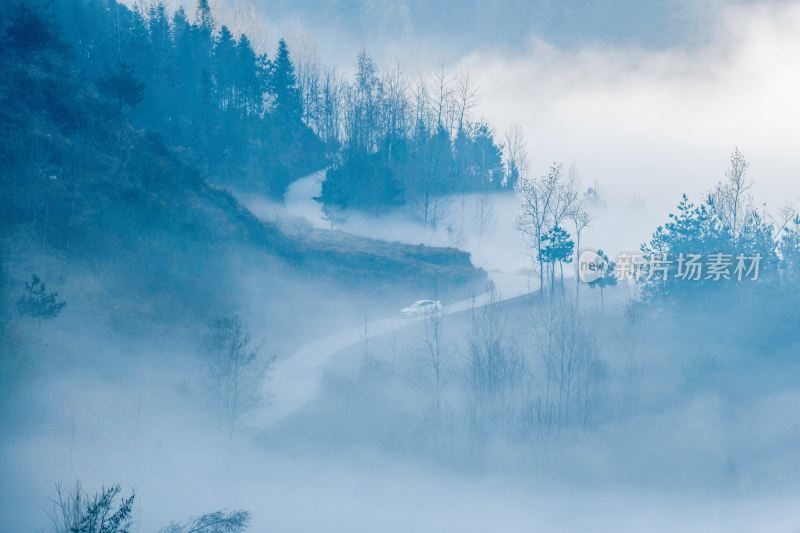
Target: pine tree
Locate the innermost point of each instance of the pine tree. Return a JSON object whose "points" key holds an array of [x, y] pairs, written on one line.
{"points": [[250, 85], [29, 32], [607, 277], [204, 20], [225, 69], [557, 248], [287, 103], [37, 302], [487, 159], [692, 230], [790, 251], [121, 85]]}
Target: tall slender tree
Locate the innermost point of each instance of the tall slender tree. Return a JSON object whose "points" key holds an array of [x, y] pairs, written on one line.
{"points": [[287, 102]]}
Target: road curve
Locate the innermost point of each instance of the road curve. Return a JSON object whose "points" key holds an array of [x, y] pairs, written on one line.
{"points": [[294, 381]]}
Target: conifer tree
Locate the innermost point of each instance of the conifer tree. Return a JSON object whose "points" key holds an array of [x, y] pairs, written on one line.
{"points": [[121, 85], [287, 103]]}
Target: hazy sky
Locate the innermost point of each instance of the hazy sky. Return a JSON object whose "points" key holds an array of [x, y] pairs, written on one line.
{"points": [[442, 29], [655, 123]]}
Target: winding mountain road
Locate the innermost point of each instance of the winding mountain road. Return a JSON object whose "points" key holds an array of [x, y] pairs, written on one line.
{"points": [[295, 380]]}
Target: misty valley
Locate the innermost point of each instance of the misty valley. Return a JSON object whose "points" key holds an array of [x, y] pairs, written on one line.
{"points": [[399, 266]]}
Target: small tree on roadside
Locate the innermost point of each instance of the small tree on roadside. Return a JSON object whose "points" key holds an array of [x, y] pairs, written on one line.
{"points": [[334, 215]]}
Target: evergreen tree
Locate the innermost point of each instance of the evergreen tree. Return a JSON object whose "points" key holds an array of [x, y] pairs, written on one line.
{"points": [[608, 277], [486, 158], [251, 86], [557, 248], [37, 302], [121, 85], [225, 63], [287, 104], [757, 237], [204, 20], [790, 250], [29, 31]]}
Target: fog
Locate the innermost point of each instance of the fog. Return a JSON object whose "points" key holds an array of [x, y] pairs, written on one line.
{"points": [[671, 415], [147, 428], [111, 416], [643, 123], [649, 125]]}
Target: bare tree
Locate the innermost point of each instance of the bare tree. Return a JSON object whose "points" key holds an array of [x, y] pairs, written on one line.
{"points": [[309, 80], [396, 108], [496, 370], [366, 337], [786, 215], [361, 107], [436, 360], [580, 219], [216, 522], [567, 197], [546, 202], [298, 227], [442, 99], [629, 338], [242, 18], [393, 337], [516, 154], [235, 370], [421, 98], [465, 98], [537, 196], [730, 199], [330, 112], [569, 368], [75, 512], [484, 212]]}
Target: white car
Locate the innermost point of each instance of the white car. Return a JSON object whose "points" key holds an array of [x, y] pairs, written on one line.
{"points": [[422, 308]]}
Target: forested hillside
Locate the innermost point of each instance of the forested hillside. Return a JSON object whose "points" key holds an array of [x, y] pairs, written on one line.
{"points": [[403, 142], [118, 130], [229, 111]]}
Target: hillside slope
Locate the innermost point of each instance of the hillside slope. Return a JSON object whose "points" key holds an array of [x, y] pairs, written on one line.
{"points": [[84, 186]]}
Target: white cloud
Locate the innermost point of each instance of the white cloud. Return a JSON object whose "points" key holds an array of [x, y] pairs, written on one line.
{"points": [[652, 124]]}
